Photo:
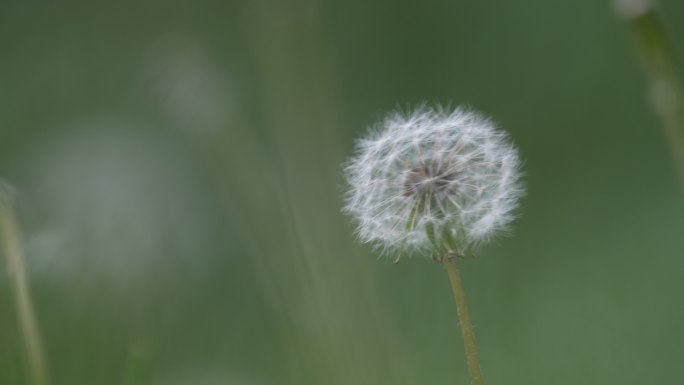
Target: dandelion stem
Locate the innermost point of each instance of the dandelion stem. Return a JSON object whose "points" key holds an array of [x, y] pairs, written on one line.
{"points": [[466, 326], [11, 245]]}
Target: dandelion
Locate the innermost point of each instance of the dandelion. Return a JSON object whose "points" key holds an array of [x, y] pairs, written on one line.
{"points": [[630, 9], [433, 181], [437, 182]]}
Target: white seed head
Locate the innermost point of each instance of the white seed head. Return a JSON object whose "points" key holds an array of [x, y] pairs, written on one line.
{"points": [[632, 9], [433, 181]]}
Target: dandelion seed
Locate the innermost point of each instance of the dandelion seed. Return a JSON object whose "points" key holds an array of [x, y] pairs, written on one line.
{"points": [[433, 181]]}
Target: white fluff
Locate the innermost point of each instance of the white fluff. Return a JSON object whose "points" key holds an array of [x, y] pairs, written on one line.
{"points": [[632, 9], [453, 167]]}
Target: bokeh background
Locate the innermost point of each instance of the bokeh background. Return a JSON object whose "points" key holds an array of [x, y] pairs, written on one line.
{"points": [[179, 189]]}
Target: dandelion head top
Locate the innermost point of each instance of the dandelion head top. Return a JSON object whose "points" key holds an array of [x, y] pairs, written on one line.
{"points": [[433, 181]]}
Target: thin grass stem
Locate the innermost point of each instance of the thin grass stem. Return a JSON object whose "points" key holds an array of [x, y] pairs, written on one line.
{"points": [[12, 249], [656, 52]]}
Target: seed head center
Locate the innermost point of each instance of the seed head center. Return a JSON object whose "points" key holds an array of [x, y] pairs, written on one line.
{"points": [[421, 181]]}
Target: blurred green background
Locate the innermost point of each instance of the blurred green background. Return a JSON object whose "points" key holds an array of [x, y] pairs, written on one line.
{"points": [[179, 178]]}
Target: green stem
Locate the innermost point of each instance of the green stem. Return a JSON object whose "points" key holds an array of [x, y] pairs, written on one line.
{"points": [[657, 56], [137, 369], [466, 326], [11, 244]]}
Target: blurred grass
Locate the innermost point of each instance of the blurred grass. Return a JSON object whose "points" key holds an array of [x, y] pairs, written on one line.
{"points": [[658, 58], [180, 184]]}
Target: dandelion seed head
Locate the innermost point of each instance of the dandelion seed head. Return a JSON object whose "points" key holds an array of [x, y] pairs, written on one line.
{"points": [[433, 179], [631, 9]]}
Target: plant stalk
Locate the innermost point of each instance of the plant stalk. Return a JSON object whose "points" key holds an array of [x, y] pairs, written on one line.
{"points": [[14, 254], [466, 326], [657, 55]]}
